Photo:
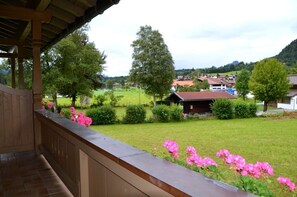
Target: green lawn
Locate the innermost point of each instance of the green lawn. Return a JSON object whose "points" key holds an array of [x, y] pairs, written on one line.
{"points": [[132, 96], [256, 139]]}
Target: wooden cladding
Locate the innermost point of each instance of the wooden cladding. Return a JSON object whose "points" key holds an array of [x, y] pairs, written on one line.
{"points": [[16, 120]]}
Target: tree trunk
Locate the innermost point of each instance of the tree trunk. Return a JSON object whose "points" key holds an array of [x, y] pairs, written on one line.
{"points": [[154, 97], [265, 106], [73, 99], [55, 102]]}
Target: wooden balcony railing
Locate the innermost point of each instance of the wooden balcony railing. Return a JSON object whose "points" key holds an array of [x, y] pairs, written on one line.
{"points": [[92, 164], [16, 120]]}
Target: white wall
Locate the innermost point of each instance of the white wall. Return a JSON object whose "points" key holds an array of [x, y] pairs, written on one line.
{"points": [[292, 105]]}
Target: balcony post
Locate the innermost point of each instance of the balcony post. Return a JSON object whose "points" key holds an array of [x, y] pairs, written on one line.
{"points": [[37, 83], [12, 62], [21, 67]]}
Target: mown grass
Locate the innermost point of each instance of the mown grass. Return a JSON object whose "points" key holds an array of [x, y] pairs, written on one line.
{"points": [[256, 139], [132, 96]]}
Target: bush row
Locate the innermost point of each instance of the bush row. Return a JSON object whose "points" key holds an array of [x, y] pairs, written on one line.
{"points": [[134, 114], [225, 109], [164, 113]]}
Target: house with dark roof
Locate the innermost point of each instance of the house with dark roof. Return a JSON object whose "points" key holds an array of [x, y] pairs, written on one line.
{"points": [[290, 100], [197, 102]]}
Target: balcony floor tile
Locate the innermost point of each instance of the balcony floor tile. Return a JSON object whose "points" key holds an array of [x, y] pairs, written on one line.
{"points": [[25, 174]]}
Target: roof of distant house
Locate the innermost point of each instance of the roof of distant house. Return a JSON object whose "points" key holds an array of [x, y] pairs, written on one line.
{"points": [[212, 81], [199, 96], [293, 79], [183, 83], [292, 93]]}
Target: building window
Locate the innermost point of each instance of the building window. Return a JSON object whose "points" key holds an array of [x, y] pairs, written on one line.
{"points": [[286, 100]]}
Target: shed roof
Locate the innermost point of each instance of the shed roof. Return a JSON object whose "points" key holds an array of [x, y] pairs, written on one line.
{"points": [[61, 17], [199, 96]]}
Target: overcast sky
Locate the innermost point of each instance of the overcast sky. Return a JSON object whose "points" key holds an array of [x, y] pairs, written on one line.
{"points": [[198, 33]]}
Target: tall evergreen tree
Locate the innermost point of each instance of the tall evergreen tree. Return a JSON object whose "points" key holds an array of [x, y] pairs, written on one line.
{"points": [[153, 66]]}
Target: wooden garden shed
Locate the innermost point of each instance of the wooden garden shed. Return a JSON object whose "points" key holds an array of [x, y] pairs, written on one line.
{"points": [[197, 102]]}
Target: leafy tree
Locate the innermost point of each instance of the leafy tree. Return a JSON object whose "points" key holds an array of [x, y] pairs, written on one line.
{"points": [[152, 66], [51, 75], [242, 83], [269, 81], [113, 98], [80, 64], [185, 88], [201, 85], [109, 84]]}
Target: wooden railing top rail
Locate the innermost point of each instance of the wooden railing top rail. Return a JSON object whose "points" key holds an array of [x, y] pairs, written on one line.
{"points": [[170, 177], [10, 90]]}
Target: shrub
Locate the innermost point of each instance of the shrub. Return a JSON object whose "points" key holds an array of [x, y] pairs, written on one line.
{"points": [[66, 112], [99, 100], [134, 114], [241, 110], [161, 113], [176, 113], [102, 115], [252, 110], [222, 109]]}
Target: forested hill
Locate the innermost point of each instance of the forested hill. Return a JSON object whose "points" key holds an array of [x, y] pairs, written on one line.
{"points": [[289, 54]]}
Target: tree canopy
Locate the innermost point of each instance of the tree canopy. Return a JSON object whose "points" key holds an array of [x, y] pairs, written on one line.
{"points": [[269, 81], [152, 66], [242, 83], [78, 65]]}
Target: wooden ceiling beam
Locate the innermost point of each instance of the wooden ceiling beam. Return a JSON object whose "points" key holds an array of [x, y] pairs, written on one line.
{"points": [[25, 14], [12, 42], [73, 9]]}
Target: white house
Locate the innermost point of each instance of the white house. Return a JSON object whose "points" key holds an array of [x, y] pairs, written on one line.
{"points": [[290, 100]]}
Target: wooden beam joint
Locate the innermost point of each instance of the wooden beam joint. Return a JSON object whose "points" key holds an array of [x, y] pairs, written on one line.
{"points": [[25, 14]]}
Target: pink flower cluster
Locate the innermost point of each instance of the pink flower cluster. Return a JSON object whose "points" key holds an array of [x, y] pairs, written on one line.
{"points": [[172, 147], [194, 158], [257, 170], [287, 182], [80, 118], [50, 105], [236, 161]]}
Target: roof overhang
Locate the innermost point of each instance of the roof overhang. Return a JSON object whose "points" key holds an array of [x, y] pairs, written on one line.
{"points": [[59, 18]]}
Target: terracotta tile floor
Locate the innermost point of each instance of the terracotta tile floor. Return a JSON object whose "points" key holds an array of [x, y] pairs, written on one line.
{"points": [[26, 174]]}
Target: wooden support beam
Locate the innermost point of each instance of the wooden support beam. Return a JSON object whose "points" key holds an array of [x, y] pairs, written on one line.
{"points": [[25, 14], [12, 73], [12, 42], [37, 83], [8, 55], [21, 67]]}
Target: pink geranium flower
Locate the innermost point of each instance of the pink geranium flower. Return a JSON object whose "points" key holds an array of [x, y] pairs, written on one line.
{"points": [[287, 182], [80, 118], [223, 153], [50, 105], [172, 147], [191, 150]]}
